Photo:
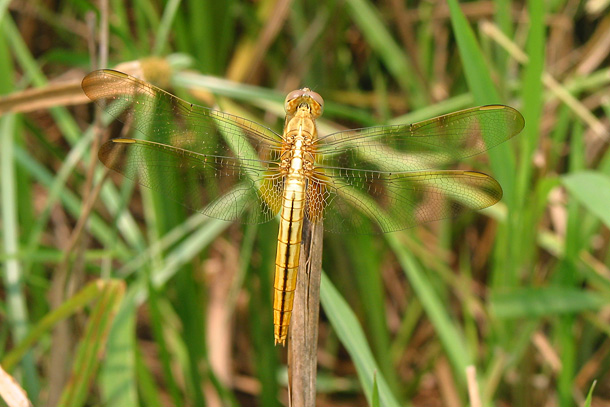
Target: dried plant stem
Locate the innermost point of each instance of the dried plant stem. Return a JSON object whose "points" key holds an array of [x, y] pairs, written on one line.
{"points": [[303, 340], [473, 387]]}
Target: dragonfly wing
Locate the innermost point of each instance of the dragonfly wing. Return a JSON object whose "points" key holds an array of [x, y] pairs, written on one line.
{"points": [[164, 118], [219, 187], [395, 201], [211, 161], [424, 145]]}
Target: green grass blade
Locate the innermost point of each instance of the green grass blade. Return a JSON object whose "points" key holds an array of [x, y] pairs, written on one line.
{"points": [[118, 372], [167, 20], [532, 95], [531, 302], [476, 69], [98, 227], [191, 247], [12, 270], [393, 56], [150, 394], [375, 398], [592, 190], [370, 287], [451, 338], [350, 333], [12, 274], [88, 294], [92, 344], [481, 85], [590, 395]]}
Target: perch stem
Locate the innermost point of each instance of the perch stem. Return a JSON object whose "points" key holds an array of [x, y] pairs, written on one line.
{"points": [[303, 338]]}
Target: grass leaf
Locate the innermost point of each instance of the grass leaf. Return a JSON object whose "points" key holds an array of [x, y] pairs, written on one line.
{"points": [[533, 302], [592, 190], [350, 333]]}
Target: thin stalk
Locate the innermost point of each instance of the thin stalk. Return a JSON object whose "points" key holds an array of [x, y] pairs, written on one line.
{"points": [[303, 343]]}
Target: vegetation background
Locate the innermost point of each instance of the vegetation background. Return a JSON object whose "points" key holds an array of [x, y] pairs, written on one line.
{"points": [[112, 295]]}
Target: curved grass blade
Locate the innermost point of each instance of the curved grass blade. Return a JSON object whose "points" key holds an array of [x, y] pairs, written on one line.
{"points": [[350, 333]]}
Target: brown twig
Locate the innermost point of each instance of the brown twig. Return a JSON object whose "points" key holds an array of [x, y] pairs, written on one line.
{"points": [[303, 343], [473, 387]]}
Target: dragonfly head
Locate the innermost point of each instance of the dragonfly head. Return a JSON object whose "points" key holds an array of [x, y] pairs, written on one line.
{"points": [[304, 98]]}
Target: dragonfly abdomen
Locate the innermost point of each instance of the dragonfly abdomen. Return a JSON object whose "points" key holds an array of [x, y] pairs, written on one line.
{"points": [[287, 256]]}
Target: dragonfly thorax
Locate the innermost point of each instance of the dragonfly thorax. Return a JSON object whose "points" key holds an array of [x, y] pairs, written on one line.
{"points": [[299, 136]]}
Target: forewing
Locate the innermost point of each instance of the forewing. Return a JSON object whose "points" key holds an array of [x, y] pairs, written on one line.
{"points": [[424, 145], [163, 118], [396, 201], [214, 162]]}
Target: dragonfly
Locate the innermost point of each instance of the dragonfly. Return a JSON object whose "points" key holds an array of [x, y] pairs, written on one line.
{"points": [[367, 180]]}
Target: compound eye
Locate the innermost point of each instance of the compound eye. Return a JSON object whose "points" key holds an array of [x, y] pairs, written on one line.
{"points": [[289, 104], [317, 98]]}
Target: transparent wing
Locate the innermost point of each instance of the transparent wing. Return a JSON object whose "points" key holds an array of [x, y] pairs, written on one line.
{"points": [[203, 156], [164, 118], [376, 173], [395, 201], [424, 145]]}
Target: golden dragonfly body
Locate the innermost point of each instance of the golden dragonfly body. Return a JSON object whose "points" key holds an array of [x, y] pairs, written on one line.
{"points": [[297, 166], [235, 168]]}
